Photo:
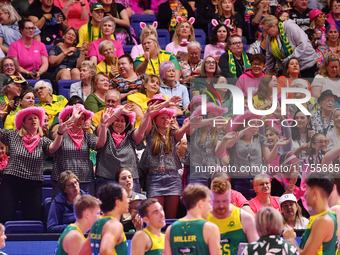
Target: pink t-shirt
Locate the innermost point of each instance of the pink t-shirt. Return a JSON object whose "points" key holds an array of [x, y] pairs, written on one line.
{"points": [[172, 48], [28, 58], [94, 49], [212, 50], [256, 206], [73, 17], [237, 199], [136, 51]]}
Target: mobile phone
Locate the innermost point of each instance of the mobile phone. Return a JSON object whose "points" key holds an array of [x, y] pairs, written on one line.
{"points": [[16, 100], [35, 72]]}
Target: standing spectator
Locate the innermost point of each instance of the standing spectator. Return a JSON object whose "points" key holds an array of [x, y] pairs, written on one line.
{"points": [[300, 14], [246, 9], [206, 10], [218, 41], [44, 15], [228, 16], [107, 28], [261, 9], [76, 12]]}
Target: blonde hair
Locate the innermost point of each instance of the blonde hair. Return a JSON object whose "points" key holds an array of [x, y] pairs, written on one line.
{"points": [[268, 222], [220, 11], [257, 179], [322, 69], [269, 21], [154, 39], [176, 37], [23, 131], [298, 214], [158, 141], [13, 15], [146, 28], [103, 44], [312, 24]]}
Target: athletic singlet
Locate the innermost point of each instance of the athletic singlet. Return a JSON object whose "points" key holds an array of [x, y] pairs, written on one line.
{"points": [[59, 249], [157, 243]]}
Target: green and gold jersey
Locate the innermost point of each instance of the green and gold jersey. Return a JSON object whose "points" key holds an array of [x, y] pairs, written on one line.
{"points": [[157, 243], [60, 250]]}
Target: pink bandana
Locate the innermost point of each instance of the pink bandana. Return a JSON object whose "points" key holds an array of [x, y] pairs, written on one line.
{"points": [[3, 162], [220, 45], [31, 142], [77, 139], [118, 138]]}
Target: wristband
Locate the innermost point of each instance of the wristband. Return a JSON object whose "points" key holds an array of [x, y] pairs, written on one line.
{"points": [[59, 133], [83, 4]]}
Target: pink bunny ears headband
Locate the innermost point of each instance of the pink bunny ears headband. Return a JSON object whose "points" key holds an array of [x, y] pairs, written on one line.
{"points": [[215, 22], [191, 20], [154, 24]]}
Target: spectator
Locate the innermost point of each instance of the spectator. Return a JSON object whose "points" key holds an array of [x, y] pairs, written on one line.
{"points": [[76, 12], [191, 68], [44, 15], [252, 76], [296, 45], [52, 104], [149, 62], [291, 212], [317, 31], [331, 46], [66, 58], [23, 176], [61, 212], [318, 147], [170, 12], [259, 46], [263, 98], [218, 41], [137, 50], [9, 31], [22, 7], [332, 135], [184, 34], [269, 227], [171, 87], [26, 100], [107, 27], [33, 61], [109, 65], [96, 101], [327, 77], [234, 61], [206, 10], [128, 82], [261, 9], [121, 18], [91, 31], [300, 14], [144, 7], [246, 9], [310, 105], [228, 16], [8, 67], [334, 16], [84, 87]]}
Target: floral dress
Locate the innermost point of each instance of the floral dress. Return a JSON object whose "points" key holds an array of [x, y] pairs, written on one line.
{"points": [[177, 9]]}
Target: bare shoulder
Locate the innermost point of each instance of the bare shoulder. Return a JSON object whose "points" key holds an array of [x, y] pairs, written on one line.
{"points": [[210, 227], [73, 235], [246, 217]]}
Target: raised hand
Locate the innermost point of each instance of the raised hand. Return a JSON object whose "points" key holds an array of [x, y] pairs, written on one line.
{"points": [[153, 109], [250, 131], [3, 106], [105, 117], [231, 135], [76, 114], [283, 141], [173, 101], [64, 126], [147, 56]]}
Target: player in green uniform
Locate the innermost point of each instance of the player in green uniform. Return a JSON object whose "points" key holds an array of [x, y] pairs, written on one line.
{"points": [[235, 225], [320, 237], [107, 233], [192, 234], [150, 240], [86, 210]]}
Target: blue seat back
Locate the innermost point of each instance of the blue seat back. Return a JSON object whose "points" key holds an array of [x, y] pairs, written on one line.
{"points": [[46, 192], [64, 87], [163, 38], [200, 37], [137, 18], [24, 227]]}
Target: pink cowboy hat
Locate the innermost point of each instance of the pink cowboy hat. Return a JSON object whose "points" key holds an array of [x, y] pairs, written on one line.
{"points": [[19, 117], [131, 115], [240, 118], [211, 107], [170, 112], [314, 13], [195, 99], [69, 109], [159, 97]]}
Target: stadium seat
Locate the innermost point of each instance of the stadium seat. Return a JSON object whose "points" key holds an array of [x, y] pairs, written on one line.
{"points": [[200, 37], [24, 227], [64, 87], [163, 38], [47, 181], [33, 82], [210, 28], [47, 204], [48, 47], [46, 192], [127, 48], [136, 19]]}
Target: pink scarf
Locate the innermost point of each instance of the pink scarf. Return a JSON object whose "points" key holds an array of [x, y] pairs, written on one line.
{"points": [[77, 139], [118, 138], [3, 162], [31, 142]]}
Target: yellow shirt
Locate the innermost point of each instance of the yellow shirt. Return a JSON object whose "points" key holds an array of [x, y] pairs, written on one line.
{"points": [[84, 35], [57, 105], [103, 67]]}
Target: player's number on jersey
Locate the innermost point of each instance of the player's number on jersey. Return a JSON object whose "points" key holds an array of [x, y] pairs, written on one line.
{"points": [[225, 249]]}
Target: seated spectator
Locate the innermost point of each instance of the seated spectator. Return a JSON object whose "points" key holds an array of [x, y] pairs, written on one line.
{"points": [[228, 16], [9, 29], [30, 54], [8, 67], [331, 46], [96, 101], [124, 177], [291, 212], [234, 61], [26, 99], [121, 18], [171, 87], [149, 62], [13, 86], [109, 65], [252, 76], [144, 7], [191, 67], [259, 46], [76, 12], [22, 6], [262, 187], [269, 227], [206, 11], [84, 87], [61, 211], [300, 14], [261, 9], [91, 31], [184, 34], [317, 31], [107, 28], [128, 82], [170, 12], [66, 58], [290, 72], [137, 50], [44, 15], [310, 105], [295, 45], [52, 104], [218, 41], [327, 77], [334, 16]]}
